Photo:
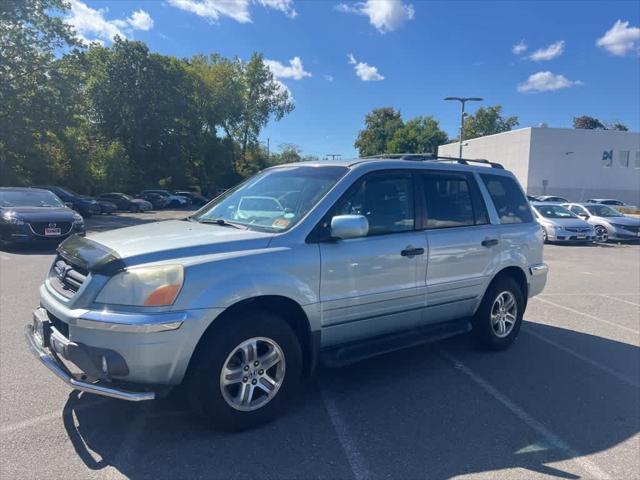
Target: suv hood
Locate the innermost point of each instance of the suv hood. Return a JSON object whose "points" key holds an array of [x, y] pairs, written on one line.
{"points": [[111, 251]]}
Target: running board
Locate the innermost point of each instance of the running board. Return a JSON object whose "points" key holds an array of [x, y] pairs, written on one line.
{"points": [[372, 347]]}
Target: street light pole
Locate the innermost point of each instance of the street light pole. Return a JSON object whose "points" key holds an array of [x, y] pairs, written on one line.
{"points": [[462, 101]]}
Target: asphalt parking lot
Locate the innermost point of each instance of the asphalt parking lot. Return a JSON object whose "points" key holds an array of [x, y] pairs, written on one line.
{"points": [[563, 402]]}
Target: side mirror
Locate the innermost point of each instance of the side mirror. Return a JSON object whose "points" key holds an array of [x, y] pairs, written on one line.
{"points": [[583, 215], [349, 226], [68, 205]]}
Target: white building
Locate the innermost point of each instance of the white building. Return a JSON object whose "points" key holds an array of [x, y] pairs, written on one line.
{"points": [[576, 164]]}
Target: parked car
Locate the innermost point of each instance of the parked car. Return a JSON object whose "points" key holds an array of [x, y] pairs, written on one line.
{"points": [[613, 203], [369, 256], [609, 224], [85, 207], [156, 200], [551, 198], [30, 215], [127, 203], [195, 198], [106, 207], [172, 200], [532, 199], [561, 225]]}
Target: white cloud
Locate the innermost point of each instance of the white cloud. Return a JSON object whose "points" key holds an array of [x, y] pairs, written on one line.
{"points": [[295, 70], [519, 48], [284, 6], [141, 20], [328, 78], [366, 72], [546, 82], [237, 10], [91, 25], [384, 15], [620, 39], [552, 51]]}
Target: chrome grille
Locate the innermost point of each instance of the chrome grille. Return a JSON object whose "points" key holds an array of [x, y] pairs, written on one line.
{"points": [[67, 278], [39, 227]]}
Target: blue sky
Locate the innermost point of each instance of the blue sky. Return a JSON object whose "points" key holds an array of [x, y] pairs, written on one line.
{"points": [[582, 57]]}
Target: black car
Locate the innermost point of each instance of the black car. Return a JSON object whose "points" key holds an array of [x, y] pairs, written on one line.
{"points": [[29, 215], [86, 207], [106, 207], [197, 200], [125, 202], [158, 201]]}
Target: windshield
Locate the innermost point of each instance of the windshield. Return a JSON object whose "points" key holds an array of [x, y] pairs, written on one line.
{"points": [[603, 211], [274, 200], [35, 198], [554, 211]]}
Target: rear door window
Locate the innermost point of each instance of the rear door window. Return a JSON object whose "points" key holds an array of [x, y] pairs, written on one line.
{"points": [[510, 202], [452, 200]]}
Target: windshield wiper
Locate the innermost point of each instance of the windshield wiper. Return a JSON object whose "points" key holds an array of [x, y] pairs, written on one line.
{"points": [[224, 223]]}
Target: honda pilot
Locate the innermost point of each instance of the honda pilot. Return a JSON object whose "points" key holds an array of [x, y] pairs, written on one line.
{"points": [[326, 262]]}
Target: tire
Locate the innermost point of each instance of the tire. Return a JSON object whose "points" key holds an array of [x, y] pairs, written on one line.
{"points": [[488, 320], [223, 406], [602, 234], [545, 237], [174, 203], [133, 208]]}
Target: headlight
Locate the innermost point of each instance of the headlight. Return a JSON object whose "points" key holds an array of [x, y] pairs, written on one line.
{"points": [[144, 286], [77, 218], [11, 218]]}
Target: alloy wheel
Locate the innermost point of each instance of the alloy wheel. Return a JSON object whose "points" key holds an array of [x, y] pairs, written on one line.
{"points": [[252, 374], [602, 235], [504, 313]]}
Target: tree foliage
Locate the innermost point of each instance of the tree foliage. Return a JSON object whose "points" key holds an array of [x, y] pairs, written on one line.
{"points": [[386, 132], [586, 122], [488, 121], [380, 126], [122, 117]]}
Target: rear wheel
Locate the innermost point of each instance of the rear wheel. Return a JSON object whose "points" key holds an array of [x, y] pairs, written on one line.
{"points": [[497, 322], [545, 237], [245, 372]]}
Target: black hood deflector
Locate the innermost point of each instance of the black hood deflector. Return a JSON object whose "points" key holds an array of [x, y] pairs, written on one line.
{"points": [[90, 255]]}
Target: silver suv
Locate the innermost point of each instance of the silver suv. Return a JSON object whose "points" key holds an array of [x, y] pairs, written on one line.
{"points": [[314, 261]]}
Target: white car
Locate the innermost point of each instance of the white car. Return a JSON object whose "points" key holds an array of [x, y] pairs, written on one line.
{"points": [[609, 223], [612, 202], [561, 225]]}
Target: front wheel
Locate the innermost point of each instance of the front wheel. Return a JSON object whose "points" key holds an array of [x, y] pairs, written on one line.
{"points": [[545, 236], [245, 371], [497, 322], [602, 234]]}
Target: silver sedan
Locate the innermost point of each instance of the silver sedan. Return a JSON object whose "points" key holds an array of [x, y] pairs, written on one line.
{"points": [[609, 224]]}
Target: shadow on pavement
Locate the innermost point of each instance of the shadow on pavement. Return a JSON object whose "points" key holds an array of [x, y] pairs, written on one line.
{"points": [[409, 414]]}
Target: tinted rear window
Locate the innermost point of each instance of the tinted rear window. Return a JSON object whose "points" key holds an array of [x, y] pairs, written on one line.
{"points": [[451, 201], [510, 202]]}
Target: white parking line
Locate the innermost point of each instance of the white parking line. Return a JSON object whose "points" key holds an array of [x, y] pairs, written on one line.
{"points": [[593, 363], [573, 310], [620, 299], [587, 294], [354, 457], [551, 438]]}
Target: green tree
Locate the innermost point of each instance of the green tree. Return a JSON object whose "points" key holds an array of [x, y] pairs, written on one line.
{"points": [[32, 103], [488, 121], [616, 126], [380, 126], [585, 122], [418, 135]]}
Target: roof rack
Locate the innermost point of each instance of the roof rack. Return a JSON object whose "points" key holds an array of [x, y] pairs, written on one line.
{"points": [[430, 157]]}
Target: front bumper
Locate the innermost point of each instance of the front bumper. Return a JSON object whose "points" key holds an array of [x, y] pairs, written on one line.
{"points": [[560, 235], [40, 347], [23, 234]]}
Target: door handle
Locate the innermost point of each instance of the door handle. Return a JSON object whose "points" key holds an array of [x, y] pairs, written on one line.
{"points": [[489, 242], [410, 252]]}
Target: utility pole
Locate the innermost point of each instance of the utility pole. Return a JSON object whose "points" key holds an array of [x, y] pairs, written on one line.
{"points": [[462, 101]]}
